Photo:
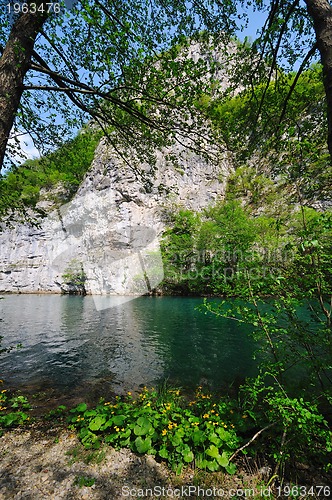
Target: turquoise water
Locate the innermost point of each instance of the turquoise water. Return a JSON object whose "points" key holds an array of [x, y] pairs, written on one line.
{"points": [[68, 344]]}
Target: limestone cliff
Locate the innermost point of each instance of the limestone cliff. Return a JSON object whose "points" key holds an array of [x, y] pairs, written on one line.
{"points": [[111, 227]]}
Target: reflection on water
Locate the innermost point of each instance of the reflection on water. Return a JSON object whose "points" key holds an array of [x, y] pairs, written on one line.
{"points": [[67, 343]]}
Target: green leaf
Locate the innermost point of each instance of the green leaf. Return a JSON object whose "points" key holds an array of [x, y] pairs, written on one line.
{"points": [[118, 419], [96, 423], [81, 408], [188, 456], [213, 452], [163, 453], [223, 460], [142, 445], [89, 413], [212, 466], [143, 426], [176, 440], [231, 468]]}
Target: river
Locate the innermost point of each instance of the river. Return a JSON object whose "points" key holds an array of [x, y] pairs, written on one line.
{"points": [[68, 344]]}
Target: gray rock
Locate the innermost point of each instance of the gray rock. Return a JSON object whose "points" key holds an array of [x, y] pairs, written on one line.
{"points": [[112, 226]]}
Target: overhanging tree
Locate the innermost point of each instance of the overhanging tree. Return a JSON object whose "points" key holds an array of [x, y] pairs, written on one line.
{"points": [[294, 33], [116, 61]]}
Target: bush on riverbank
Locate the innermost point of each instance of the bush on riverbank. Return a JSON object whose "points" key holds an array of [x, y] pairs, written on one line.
{"points": [[207, 432]]}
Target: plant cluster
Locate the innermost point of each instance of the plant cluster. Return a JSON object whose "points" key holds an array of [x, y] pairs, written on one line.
{"points": [[203, 432], [13, 409], [216, 251], [21, 187], [210, 432]]}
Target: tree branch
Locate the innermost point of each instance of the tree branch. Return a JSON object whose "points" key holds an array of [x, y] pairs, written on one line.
{"points": [[251, 440], [297, 76]]}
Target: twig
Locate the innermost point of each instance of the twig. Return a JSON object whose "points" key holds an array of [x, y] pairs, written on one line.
{"points": [[251, 440]]}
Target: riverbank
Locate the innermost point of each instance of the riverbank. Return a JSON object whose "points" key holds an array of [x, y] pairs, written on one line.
{"points": [[44, 458], [43, 461]]}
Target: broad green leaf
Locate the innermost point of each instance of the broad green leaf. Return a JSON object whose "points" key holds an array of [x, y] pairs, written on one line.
{"points": [[223, 460], [188, 456], [142, 445], [212, 466], [96, 423], [118, 419], [231, 468], [81, 408], [163, 453], [213, 452]]}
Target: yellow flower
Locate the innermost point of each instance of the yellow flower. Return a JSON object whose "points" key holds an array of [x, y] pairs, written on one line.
{"points": [[1, 381], [164, 432], [123, 429], [206, 415], [244, 416], [170, 426], [148, 404], [129, 393], [117, 429], [5, 390]]}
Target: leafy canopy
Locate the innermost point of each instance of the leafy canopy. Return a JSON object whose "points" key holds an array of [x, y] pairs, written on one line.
{"points": [[125, 64]]}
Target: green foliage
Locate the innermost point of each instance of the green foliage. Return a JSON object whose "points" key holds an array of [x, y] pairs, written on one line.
{"points": [[294, 335], [280, 123], [202, 431], [82, 481], [213, 252], [210, 431], [57, 174], [120, 61], [245, 124], [13, 409], [297, 429], [74, 274]]}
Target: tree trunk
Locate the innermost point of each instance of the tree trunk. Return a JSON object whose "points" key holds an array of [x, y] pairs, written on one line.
{"points": [[14, 64], [321, 13]]}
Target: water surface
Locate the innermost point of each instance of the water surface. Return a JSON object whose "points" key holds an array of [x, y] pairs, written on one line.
{"points": [[67, 344]]}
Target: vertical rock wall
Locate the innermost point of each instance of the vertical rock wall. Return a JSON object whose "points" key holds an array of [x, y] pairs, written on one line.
{"points": [[111, 227]]}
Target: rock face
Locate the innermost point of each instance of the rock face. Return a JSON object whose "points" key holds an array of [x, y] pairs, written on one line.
{"points": [[111, 229]]}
